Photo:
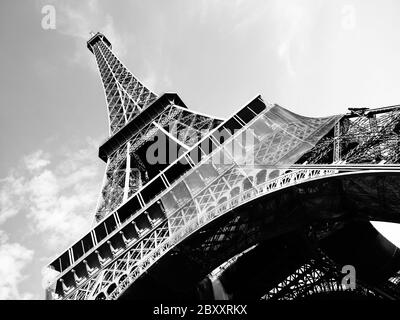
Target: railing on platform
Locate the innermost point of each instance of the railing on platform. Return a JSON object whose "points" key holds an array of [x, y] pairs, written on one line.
{"points": [[270, 186], [133, 272]]}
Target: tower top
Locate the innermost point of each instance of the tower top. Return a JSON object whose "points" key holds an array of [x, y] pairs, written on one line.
{"points": [[95, 38]]}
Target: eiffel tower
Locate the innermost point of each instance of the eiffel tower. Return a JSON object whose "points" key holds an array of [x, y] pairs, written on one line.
{"points": [[264, 205]]}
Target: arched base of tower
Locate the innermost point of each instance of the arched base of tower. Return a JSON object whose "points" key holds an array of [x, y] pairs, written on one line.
{"points": [[293, 266]]}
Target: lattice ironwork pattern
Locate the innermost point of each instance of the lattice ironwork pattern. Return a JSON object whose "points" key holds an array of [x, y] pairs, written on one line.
{"points": [[319, 275], [209, 189], [126, 96], [365, 136], [142, 214], [185, 126]]}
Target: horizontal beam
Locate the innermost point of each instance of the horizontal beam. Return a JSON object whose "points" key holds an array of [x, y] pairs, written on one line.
{"points": [[370, 112], [341, 167]]}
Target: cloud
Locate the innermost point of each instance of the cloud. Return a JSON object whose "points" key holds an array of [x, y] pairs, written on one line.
{"points": [[36, 160], [48, 276], [294, 19], [54, 196], [11, 191], [14, 258], [246, 16], [58, 196], [290, 21]]}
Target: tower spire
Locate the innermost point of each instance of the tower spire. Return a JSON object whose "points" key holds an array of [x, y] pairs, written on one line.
{"points": [[126, 96], [124, 151]]}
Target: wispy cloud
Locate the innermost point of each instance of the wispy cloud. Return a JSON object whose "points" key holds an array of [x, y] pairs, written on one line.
{"points": [[294, 19], [36, 160], [14, 258], [290, 20], [11, 191], [57, 196]]}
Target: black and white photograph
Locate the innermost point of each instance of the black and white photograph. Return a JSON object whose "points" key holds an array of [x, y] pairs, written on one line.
{"points": [[200, 157]]}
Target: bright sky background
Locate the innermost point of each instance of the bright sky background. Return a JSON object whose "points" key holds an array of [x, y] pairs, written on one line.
{"points": [[315, 58]]}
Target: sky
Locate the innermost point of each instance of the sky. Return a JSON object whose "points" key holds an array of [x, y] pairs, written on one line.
{"points": [[316, 58]]}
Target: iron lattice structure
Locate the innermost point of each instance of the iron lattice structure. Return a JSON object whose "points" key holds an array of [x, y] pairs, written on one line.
{"points": [[126, 97], [232, 191]]}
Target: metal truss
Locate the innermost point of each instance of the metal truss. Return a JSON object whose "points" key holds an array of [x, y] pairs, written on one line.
{"points": [[363, 136], [135, 260], [224, 188], [125, 169], [106, 265], [319, 275], [115, 276], [125, 95]]}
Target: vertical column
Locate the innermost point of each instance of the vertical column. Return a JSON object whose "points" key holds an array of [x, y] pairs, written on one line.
{"points": [[373, 124], [94, 238], [71, 256], [336, 143], [127, 172]]}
